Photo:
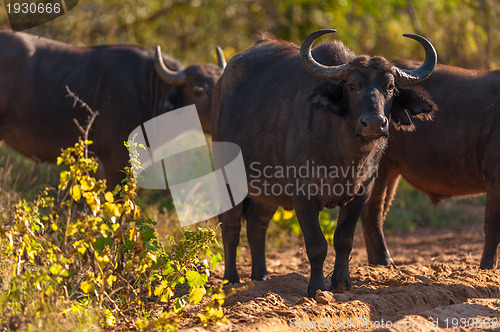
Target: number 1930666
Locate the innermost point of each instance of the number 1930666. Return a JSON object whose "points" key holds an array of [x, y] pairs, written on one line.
{"points": [[33, 8]]}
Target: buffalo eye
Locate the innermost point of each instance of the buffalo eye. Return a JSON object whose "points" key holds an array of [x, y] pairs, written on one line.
{"points": [[352, 86], [390, 87], [199, 91]]}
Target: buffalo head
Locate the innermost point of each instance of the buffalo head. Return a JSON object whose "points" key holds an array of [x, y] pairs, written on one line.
{"points": [[193, 85], [368, 91]]}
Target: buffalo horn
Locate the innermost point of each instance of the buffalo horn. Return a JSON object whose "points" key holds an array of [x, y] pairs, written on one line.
{"points": [[166, 74], [220, 58], [425, 70], [316, 68]]}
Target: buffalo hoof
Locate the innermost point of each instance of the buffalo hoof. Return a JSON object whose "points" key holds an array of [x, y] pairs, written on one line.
{"points": [[314, 286], [487, 264], [259, 273], [386, 261], [380, 259], [489, 257], [233, 278], [340, 284], [260, 277]]}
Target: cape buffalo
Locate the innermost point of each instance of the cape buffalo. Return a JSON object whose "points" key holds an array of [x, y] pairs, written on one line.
{"points": [[127, 84], [332, 125], [444, 163]]}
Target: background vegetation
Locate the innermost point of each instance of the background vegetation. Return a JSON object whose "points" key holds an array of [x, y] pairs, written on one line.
{"points": [[465, 32]]}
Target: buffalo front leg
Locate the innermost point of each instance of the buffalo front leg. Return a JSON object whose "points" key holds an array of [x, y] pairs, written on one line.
{"points": [[342, 242], [307, 212], [491, 228], [258, 216], [231, 227], [373, 216], [114, 162]]}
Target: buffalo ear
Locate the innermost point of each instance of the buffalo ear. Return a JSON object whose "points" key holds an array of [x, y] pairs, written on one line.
{"points": [[171, 101], [410, 103], [329, 96], [165, 105]]}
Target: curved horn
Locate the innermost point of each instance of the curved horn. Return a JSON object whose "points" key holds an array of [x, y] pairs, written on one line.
{"points": [[425, 70], [316, 68], [220, 58], [167, 75]]}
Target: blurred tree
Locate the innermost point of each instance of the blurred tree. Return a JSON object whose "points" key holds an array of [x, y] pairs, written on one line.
{"points": [[465, 33]]}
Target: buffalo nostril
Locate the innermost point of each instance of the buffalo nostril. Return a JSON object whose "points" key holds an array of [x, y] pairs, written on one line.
{"points": [[364, 124], [384, 123]]}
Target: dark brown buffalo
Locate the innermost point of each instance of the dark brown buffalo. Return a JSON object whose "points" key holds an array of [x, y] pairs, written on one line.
{"points": [[127, 84], [287, 114], [457, 155]]}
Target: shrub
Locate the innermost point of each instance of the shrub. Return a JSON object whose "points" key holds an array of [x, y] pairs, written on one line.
{"points": [[81, 246], [286, 220]]}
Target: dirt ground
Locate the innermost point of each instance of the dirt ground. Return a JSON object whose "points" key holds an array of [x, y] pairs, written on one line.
{"points": [[437, 284]]}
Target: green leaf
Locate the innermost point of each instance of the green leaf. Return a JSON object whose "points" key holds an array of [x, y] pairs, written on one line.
{"points": [[111, 279], [86, 287], [166, 294], [167, 271], [104, 227], [76, 193], [195, 279], [110, 319], [178, 280], [141, 323], [148, 234], [101, 243], [55, 269], [82, 249], [196, 294], [149, 246], [215, 259], [158, 290], [109, 197], [179, 303]]}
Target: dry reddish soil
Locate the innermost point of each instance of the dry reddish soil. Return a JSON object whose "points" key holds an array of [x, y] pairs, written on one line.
{"points": [[437, 284]]}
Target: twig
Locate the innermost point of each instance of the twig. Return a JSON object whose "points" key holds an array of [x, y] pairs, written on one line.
{"points": [[90, 121]]}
